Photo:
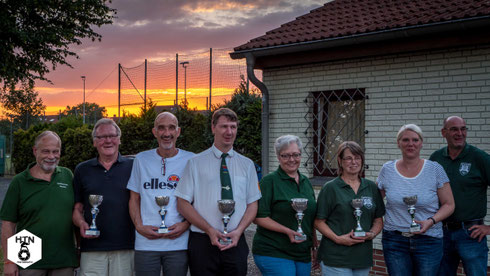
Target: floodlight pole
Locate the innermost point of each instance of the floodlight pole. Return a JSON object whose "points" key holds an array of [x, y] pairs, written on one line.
{"points": [[185, 64], [83, 78]]}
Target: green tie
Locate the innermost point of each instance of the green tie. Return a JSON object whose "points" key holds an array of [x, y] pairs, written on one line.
{"points": [[226, 190]]}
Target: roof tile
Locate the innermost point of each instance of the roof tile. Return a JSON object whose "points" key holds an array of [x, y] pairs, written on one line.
{"points": [[346, 17]]}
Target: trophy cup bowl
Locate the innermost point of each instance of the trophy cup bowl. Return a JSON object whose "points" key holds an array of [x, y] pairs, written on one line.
{"points": [[411, 201], [95, 201], [357, 204], [162, 202], [299, 205], [226, 207]]}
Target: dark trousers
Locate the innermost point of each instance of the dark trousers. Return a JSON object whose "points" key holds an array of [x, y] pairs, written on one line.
{"points": [[206, 259]]}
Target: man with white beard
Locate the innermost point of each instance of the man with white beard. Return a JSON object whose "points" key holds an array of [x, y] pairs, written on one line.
{"points": [[40, 200]]}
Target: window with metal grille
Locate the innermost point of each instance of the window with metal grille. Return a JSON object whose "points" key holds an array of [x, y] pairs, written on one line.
{"points": [[333, 117]]}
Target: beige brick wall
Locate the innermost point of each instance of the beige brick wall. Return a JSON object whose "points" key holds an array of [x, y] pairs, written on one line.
{"points": [[421, 88]]}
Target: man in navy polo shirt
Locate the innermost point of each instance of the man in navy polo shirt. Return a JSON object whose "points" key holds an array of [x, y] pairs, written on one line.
{"points": [[111, 252]]}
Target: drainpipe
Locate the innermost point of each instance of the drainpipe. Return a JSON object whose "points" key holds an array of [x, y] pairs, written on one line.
{"points": [[265, 111]]}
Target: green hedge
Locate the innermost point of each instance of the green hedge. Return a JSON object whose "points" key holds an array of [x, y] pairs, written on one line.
{"points": [[76, 143], [196, 136]]}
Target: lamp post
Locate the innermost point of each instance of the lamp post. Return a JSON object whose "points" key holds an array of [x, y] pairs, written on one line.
{"points": [[83, 78], [185, 64]]}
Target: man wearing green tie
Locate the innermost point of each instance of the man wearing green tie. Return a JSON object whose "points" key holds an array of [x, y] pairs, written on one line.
{"points": [[216, 174]]}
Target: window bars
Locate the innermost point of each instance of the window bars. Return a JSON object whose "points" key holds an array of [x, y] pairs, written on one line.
{"points": [[333, 117]]}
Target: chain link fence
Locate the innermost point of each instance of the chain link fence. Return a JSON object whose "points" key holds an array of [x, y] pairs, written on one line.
{"points": [[198, 80]]}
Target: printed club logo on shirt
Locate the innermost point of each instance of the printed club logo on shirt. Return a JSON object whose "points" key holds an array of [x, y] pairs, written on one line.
{"points": [[24, 248], [155, 184], [368, 201], [62, 185], [464, 168]]}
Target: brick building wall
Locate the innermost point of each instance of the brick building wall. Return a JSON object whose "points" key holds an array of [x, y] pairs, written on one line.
{"points": [[421, 88]]}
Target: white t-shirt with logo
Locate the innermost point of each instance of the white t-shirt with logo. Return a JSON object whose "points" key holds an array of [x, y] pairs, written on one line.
{"points": [[148, 180]]}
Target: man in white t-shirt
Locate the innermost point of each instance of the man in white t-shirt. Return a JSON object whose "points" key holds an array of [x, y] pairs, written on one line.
{"points": [[203, 184], [157, 172]]}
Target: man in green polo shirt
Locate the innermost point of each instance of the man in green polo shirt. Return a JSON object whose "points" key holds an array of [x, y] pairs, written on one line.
{"points": [[468, 169], [40, 200]]}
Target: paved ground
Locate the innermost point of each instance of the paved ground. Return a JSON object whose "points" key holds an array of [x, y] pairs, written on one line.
{"points": [[249, 233], [252, 268]]}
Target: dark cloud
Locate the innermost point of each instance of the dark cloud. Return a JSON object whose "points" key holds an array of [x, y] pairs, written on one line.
{"points": [[137, 10]]}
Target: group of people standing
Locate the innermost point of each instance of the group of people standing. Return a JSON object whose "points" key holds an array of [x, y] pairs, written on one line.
{"points": [[48, 201], [450, 193], [432, 219], [276, 249]]}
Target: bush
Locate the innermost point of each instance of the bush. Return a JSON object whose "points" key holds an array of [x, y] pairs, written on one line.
{"points": [[78, 146], [248, 107], [193, 125], [196, 136]]}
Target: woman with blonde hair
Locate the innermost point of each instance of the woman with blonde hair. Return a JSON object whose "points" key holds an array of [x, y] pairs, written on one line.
{"points": [[414, 187]]}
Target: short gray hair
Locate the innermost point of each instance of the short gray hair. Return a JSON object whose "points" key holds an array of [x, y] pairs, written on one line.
{"points": [[285, 141], [44, 134], [412, 127], [106, 121]]}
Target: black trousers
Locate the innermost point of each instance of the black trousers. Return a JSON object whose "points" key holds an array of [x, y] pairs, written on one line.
{"points": [[206, 259]]}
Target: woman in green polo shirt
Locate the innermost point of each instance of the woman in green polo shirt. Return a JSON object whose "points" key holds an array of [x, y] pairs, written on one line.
{"points": [[278, 248], [343, 250]]}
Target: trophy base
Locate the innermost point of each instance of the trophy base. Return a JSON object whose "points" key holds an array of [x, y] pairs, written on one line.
{"points": [[91, 232], [300, 238], [414, 228], [225, 241], [162, 230], [359, 234]]}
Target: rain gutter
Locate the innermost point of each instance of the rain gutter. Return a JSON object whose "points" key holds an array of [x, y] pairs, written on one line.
{"points": [[265, 111]]}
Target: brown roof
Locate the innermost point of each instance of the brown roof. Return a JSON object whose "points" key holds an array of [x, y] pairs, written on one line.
{"points": [[341, 18]]}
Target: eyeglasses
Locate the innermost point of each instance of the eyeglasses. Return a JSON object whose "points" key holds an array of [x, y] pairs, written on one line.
{"points": [[110, 137], [350, 159], [293, 155], [163, 166], [456, 129]]}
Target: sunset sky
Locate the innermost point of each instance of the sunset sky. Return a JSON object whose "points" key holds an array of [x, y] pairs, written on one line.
{"points": [[157, 30]]}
